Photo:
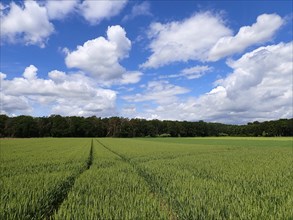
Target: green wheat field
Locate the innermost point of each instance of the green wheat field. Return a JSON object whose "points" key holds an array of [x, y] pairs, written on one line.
{"points": [[147, 178]]}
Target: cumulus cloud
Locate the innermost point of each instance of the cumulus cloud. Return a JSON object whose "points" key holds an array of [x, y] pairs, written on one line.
{"points": [[60, 9], [259, 88], [14, 104], [27, 24], [100, 57], [190, 39], [159, 91], [263, 30], [30, 72], [96, 11], [65, 94], [204, 37]]}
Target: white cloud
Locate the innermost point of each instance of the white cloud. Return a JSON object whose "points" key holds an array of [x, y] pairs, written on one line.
{"points": [[190, 39], [28, 24], [266, 68], [259, 88], [100, 58], [30, 72], [263, 30], [16, 104], [2, 76], [195, 72], [93, 11], [60, 9], [129, 111], [96, 11], [131, 77], [57, 76], [2, 8], [61, 93], [139, 10], [158, 91], [190, 73]]}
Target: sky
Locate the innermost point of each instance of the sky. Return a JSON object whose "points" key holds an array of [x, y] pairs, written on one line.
{"points": [[217, 61]]}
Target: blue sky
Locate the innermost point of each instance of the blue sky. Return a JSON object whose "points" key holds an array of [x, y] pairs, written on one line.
{"points": [[220, 61]]}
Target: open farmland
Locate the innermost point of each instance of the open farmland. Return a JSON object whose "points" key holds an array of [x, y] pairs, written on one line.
{"points": [[147, 178]]}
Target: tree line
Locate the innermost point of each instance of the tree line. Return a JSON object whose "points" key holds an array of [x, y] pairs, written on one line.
{"points": [[73, 126]]}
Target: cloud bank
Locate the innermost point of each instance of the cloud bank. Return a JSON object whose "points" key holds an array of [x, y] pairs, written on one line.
{"points": [[259, 88], [61, 93]]}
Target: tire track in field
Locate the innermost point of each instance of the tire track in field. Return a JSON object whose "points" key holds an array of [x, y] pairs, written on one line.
{"points": [[60, 193], [152, 184]]}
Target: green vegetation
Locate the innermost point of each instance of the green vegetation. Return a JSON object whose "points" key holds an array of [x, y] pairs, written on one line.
{"points": [[73, 126], [237, 179], [147, 178], [111, 189], [36, 174]]}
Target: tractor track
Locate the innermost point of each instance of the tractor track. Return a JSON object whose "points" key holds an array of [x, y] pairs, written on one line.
{"points": [[154, 187], [61, 191]]}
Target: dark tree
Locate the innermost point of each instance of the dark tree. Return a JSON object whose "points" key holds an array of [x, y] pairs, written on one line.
{"points": [[73, 126]]}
